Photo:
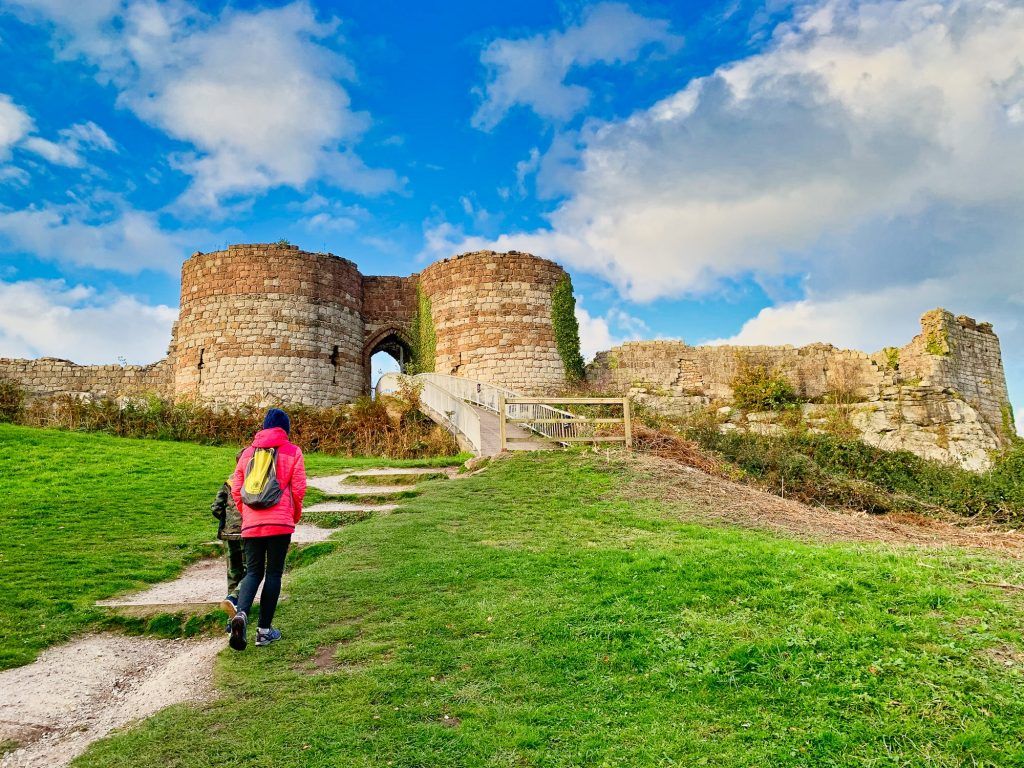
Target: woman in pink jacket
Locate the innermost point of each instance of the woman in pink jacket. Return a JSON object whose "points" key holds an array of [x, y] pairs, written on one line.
{"points": [[266, 533]]}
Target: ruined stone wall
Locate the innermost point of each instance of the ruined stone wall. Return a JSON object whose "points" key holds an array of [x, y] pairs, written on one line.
{"points": [[962, 357], [268, 321], [492, 317], [942, 396], [48, 376]]}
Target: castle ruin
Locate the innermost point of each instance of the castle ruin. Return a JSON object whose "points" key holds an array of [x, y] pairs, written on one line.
{"points": [[271, 322]]}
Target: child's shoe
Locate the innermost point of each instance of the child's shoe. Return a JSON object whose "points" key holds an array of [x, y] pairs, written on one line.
{"points": [[267, 636], [238, 626], [230, 606]]}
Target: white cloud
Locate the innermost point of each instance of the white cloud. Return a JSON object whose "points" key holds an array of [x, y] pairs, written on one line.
{"points": [[50, 318], [602, 332], [531, 72], [15, 124], [256, 95], [858, 113], [127, 241], [872, 147], [74, 141]]}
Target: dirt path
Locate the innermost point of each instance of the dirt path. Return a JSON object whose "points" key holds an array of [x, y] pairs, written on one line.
{"points": [[75, 694]]}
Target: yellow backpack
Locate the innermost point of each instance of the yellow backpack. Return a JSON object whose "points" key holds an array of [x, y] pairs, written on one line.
{"points": [[260, 489]]}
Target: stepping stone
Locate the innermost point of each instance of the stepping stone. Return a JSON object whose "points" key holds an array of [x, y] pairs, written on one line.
{"points": [[335, 485], [309, 534], [348, 506], [385, 471]]}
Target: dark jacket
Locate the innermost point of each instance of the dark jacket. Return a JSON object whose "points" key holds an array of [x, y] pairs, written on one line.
{"points": [[229, 520]]}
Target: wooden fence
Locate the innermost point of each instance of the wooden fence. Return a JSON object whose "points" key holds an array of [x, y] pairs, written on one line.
{"points": [[546, 422]]}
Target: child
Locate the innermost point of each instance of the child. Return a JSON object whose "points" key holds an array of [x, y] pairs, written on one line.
{"points": [[229, 530]]}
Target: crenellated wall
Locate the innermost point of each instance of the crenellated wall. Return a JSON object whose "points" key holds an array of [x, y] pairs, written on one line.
{"points": [[942, 396]]}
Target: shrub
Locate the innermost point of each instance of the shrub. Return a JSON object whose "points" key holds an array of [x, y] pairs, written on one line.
{"points": [[387, 426], [12, 400], [759, 388]]}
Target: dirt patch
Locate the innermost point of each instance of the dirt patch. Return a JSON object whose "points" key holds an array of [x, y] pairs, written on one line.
{"points": [[1006, 656], [450, 721], [77, 693], [701, 496]]}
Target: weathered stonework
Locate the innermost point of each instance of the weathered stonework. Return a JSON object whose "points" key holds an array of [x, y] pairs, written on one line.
{"points": [[52, 376], [942, 396], [270, 322], [492, 316]]}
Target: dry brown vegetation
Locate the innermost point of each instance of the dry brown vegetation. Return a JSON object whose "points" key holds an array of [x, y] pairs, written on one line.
{"points": [[386, 426]]}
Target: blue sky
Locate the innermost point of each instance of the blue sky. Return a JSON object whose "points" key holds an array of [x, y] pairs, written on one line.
{"points": [[760, 172]]}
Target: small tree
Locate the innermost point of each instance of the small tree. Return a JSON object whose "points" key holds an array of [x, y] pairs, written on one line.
{"points": [[760, 388]]}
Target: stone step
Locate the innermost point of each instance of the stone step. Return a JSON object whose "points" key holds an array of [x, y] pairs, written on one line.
{"points": [[347, 506]]}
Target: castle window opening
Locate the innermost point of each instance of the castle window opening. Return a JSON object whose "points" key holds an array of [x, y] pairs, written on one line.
{"points": [[334, 362], [199, 365]]}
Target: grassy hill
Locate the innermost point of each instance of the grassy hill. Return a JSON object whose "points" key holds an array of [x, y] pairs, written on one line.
{"points": [[552, 611], [86, 516]]}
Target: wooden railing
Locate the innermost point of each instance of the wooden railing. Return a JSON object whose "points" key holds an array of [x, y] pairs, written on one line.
{"points": [[539, 415]]}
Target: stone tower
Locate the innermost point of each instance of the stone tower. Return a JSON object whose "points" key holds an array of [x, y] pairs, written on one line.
{"points": [[271, 321]]}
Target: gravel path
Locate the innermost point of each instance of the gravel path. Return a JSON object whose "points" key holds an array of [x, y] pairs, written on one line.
{"points": [[77, 693]]}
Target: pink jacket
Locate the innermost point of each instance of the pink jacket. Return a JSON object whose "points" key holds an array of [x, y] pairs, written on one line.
{"points": [[291, 474]]}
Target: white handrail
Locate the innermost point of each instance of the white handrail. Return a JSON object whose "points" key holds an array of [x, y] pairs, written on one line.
{"points": [[489, 396]]}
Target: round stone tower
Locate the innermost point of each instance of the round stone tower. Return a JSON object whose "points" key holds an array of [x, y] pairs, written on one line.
{"points": [[492, 319], [269, 320]]}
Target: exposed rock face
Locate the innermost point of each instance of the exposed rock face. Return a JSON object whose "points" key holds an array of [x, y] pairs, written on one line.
{"points": [[271, 322], [942, 396]]}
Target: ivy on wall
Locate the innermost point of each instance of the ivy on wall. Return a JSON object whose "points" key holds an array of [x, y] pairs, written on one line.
{"points": [[424, 337], [567, 329]]}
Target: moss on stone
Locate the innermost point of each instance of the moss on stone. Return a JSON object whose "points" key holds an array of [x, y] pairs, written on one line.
{"points": [[567, 329], [424, 337], [936, 342], [1009, 423]]}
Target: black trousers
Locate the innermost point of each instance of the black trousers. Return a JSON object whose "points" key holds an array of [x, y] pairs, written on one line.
{"points": [[264, 561]]}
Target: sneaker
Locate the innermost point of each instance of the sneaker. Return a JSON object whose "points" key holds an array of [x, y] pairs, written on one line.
{"points": [[267, 636], [230, 606], [238, 626]]}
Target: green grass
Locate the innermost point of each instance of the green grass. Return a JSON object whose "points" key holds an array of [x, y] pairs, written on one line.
{"points": [[552, 613], [555, 618], [86, 516]]}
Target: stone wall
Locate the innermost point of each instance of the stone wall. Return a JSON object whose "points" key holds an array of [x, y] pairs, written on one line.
{"points": [[269, 321], [942, 396], [51, 376], [492, 316], [389, 306]]}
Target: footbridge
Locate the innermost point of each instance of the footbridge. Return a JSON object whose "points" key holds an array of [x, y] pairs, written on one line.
{"points": [[487, 419]]}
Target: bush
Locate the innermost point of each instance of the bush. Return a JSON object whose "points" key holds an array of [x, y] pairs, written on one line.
{"points": [[386, 426], [825, 469], [12, 400], [758, 388]]}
